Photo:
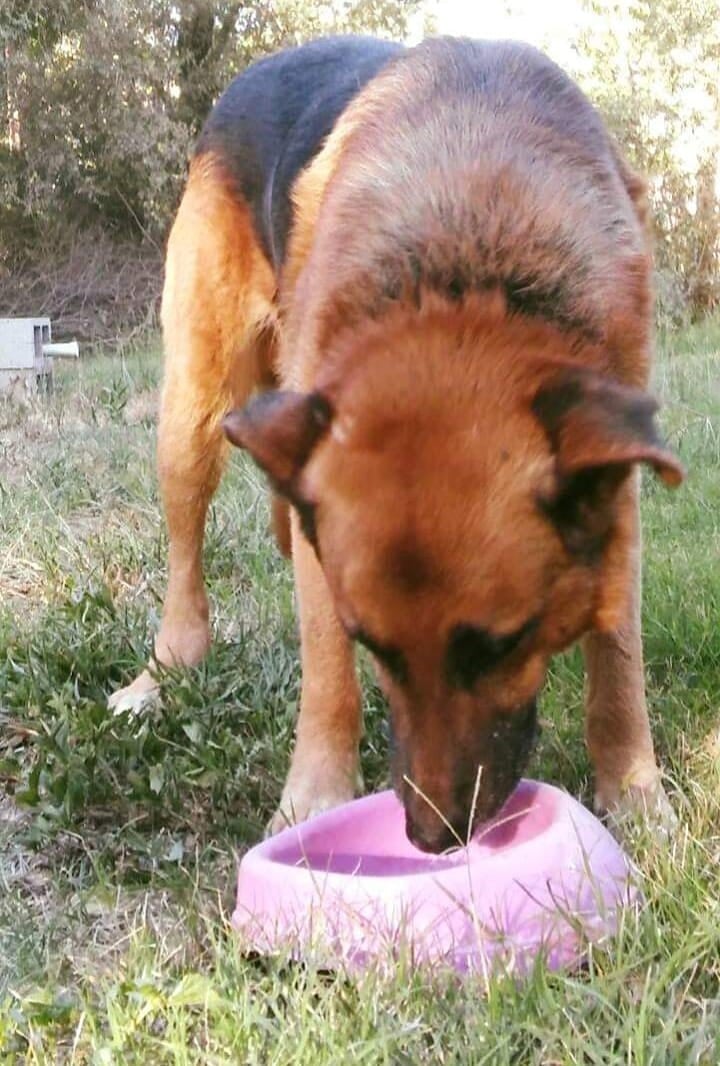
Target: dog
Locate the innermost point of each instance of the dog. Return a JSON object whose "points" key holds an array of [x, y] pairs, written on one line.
{"points": [[432, 265]]}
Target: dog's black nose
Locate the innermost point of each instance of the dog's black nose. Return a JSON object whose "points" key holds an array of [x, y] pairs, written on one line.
{"points": [[436, 838]]}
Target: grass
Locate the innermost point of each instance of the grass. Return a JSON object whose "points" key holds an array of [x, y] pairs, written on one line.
{"points": [[119, 838]]}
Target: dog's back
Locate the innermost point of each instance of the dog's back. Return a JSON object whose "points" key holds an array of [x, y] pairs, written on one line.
{"points": [[274, 117], [480, 165], [471, 165]]}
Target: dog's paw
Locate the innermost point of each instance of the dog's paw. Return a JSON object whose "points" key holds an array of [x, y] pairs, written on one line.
{"points": [[305, 797], [135, 697], [639, 808]]}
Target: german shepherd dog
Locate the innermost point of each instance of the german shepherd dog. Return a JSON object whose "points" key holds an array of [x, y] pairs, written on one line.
{"points": [[432, 265]]}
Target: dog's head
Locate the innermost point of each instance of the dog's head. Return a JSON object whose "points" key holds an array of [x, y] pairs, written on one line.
{"points": [[466, 482]]}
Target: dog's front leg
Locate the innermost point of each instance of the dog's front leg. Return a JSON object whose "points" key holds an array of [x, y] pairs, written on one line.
{"points": [[627, 779], [325, 766]]}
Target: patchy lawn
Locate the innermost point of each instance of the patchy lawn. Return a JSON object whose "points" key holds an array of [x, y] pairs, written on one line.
{"points": [[119, 838]]}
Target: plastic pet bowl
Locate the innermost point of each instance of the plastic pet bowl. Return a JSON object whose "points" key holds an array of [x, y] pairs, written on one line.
{"points": [[347, 890]]}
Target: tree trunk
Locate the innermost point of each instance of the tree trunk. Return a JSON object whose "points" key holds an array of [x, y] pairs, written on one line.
{"points": [[11, 120], [705, 289]]}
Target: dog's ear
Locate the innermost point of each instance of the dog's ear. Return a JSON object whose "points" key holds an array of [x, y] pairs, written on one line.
{"points": [[598, 430], [280, 430]]}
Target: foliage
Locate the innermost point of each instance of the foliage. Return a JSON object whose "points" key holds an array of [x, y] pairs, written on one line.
{"points": [[653, 68], [100, 101]]}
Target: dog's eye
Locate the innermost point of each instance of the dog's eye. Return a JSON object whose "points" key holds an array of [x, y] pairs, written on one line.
{"points": [[391, 658], [473, 651]]}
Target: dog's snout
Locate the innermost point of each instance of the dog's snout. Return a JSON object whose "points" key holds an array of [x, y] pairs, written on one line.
{"points": [[433, 835], [449, 791]]}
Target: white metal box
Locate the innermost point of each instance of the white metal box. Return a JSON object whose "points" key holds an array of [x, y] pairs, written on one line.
{"points": [[21, 343], [26, 349]]}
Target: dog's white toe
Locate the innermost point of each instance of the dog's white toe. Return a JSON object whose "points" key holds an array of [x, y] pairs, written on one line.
{"points": [[134, 698]]}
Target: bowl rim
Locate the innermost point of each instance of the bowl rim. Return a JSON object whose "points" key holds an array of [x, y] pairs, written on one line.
{"points": [[261, 861]]}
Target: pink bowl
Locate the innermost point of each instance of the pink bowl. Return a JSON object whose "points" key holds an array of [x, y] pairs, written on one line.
{"points": [[348, 890]]}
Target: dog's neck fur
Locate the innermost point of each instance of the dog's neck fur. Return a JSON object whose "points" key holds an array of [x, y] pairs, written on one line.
{"points": [[446, 352]]}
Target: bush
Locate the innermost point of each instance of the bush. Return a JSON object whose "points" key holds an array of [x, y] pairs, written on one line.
{"points": [[100, 102], [653, 68], [103, 100]]}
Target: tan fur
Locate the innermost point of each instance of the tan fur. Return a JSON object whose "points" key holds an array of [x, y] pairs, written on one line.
{"points": [[334, 242], [507, 549], [217, 311], [428, 485], [325, 769], [617, 728]]}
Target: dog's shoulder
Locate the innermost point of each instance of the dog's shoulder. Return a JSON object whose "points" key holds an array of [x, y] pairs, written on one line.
{"points": [[480, 165], [273, 118]]}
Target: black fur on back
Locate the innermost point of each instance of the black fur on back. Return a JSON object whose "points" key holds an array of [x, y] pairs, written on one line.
{"points": [[274, 117]]}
